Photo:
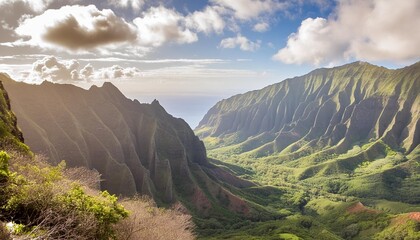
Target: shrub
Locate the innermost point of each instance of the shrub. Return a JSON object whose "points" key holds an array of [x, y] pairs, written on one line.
{"points": [[84, 176], [408, 230], [4, 175], [351, 231], [4, 166], [306, 222], [333, 186], [51, 206], [148, 222], [4, 233], [47, 202], [300, 199], [55, 223], [105, 209]]}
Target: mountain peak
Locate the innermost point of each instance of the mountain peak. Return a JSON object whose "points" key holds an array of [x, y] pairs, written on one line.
{"points": [[109, 86], [360, 64], [155, 102], [158, 108]]}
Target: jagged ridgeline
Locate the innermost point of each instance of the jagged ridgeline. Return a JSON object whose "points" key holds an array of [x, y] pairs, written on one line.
{"points": [[357, 120], [137, 148]]}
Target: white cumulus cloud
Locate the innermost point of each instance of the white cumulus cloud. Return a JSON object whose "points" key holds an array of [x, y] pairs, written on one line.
{"points": [[69, 71], [77, 27], [240, 41], [251, 9], [116, 72], [53, 70], [159, 25], [136, 5], [371, 30], [261, 27], [206, 21], [35, 5], [86, 28], [87, 72]]}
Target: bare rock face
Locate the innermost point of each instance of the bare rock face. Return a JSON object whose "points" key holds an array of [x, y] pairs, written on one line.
{"points": [[332, 108], [137, 148]]}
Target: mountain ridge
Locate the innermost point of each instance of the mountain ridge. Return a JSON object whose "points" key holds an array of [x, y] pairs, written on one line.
{"points": [[138, 148], [272, 90], [327, 123]]}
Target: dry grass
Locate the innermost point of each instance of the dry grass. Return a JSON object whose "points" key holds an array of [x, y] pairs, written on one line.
{"points": [[146, 221], [53, 224], [84, 176], [50, 221], [4, 233]]}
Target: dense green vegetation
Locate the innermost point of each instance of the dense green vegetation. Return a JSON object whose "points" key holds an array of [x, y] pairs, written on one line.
{"points": [[387, 185], [337, 147], [350, 173], [37, 198], [41, 201]]}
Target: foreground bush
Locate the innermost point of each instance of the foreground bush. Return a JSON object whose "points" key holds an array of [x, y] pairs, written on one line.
{"points": [[148, 222], [38, 197], [46, 202], [104, 209], [4, 233]]}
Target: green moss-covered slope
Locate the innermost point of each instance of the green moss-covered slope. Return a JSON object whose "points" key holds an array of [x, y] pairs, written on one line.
{"points": [[10, 134], [339, 106], [358, 122]]}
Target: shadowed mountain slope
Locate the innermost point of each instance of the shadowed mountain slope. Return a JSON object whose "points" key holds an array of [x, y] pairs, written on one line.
{"points": [[328, 122], [137, 148]]}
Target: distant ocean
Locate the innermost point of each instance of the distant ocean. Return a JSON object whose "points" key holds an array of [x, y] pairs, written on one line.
{"points": [[190, 108]]}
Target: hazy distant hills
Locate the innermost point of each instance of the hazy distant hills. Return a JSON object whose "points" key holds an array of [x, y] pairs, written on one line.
{"points": [[138, 148], [355, 122]]}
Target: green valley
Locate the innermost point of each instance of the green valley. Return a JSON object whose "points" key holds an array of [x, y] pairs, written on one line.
{"points": [[333, 154], [324, 142], [209, 120]]}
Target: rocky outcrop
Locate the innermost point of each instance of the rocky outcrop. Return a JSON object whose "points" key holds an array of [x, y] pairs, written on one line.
{"points": [[327, 108], [10, 134], [137, 148]]}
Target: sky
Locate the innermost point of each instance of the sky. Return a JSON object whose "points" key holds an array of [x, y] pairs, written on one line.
{"points": [[191, 54]]}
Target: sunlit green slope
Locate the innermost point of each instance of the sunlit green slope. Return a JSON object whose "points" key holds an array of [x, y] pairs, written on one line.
{"points": [[354, 129], [338, 147]]}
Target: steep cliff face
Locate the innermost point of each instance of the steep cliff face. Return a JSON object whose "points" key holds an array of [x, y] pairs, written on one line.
{"points": [[10, 134], [328, 122], [137, 148]]}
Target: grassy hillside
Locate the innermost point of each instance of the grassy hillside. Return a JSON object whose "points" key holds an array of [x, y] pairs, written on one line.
{"points": [[354, 126]]}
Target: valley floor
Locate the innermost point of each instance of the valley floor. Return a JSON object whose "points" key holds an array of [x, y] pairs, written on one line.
{"points": [[365, 204]]}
